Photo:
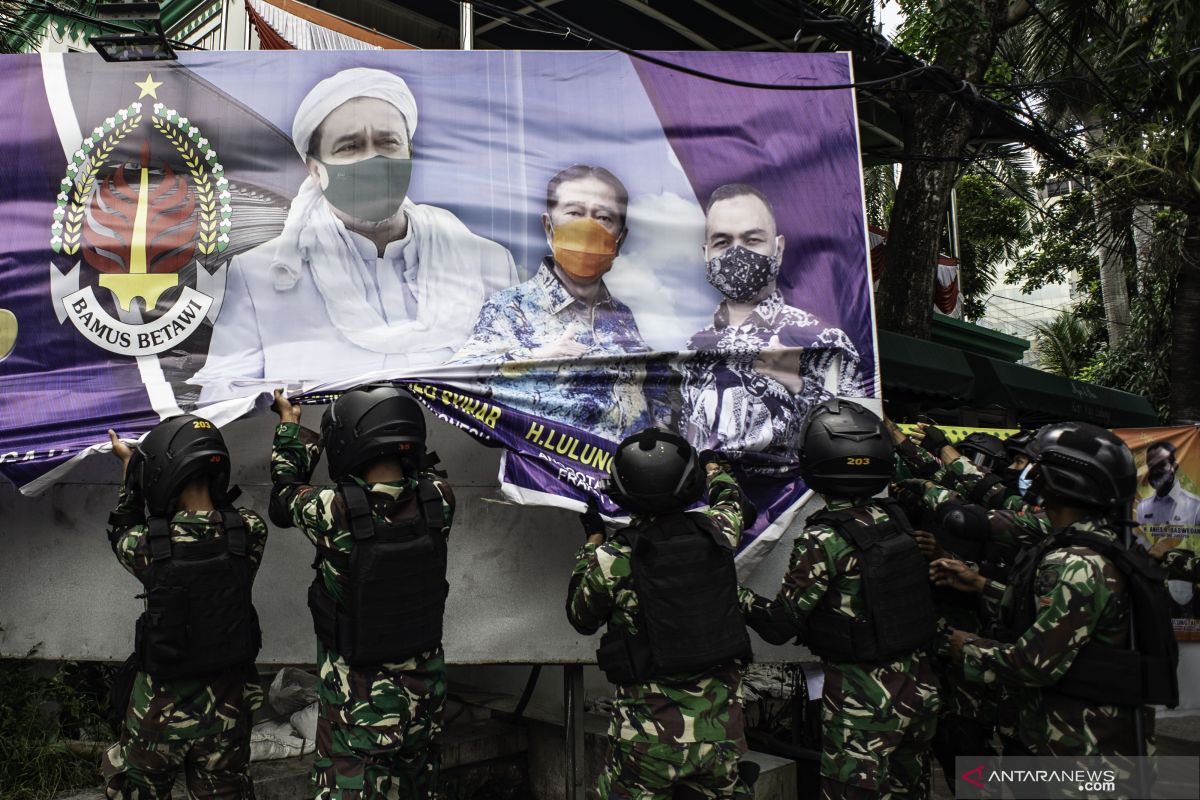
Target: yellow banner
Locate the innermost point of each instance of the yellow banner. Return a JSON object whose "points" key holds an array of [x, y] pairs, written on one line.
{"points": [[957, 433]]}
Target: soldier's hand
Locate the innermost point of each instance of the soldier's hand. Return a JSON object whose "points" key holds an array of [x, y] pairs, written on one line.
{"points": [[1162, 547], [284, 408], [120, 449], [931, 437], [955, 574], [957, 640], [929, 545], [593, 523]]}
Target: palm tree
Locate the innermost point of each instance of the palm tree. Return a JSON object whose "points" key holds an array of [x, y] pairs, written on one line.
{"points": [[1062, 345]]}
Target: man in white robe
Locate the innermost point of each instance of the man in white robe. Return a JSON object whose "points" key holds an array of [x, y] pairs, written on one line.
{"points": [[361, 280]]}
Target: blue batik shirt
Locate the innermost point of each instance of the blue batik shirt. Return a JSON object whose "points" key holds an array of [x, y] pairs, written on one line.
{"points": [[603, 395], [731, 406]]}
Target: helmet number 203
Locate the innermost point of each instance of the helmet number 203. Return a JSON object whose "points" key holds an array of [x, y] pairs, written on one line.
{"points": [[858, 462]]}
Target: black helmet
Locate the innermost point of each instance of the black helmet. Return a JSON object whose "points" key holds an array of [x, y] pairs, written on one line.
{"points": [[1084, 465], [984, 451], [655, 472], [845, 450], [369, 423], [1019, 443], [173, 453]]}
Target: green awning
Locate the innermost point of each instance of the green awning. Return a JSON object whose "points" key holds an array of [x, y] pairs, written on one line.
{"points": [[913, 366], [1040, 397]]}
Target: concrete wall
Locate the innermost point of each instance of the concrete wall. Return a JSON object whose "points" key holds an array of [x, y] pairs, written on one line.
{"points": [[63, 593]]}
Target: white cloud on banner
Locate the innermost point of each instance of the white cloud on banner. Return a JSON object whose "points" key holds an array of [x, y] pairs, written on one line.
{"points": [[660, 273]]}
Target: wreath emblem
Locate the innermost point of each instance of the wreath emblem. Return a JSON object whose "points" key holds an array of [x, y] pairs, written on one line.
{"points": [[148, 231]]}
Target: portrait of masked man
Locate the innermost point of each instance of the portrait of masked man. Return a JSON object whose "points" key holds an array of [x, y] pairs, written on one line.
{"points": [[361, 279], [1171, 512], [565, 312], [761, 364]]}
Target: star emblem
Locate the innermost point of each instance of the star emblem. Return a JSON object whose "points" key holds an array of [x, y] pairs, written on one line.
{"points": [[148, 86]]}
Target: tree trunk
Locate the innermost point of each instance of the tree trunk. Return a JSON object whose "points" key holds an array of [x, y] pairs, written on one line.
{"points": [[1184, 394], [1110, 226], [939, 133]]}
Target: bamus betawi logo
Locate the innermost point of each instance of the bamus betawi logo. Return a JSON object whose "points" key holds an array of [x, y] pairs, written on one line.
{"points": [[140, 224]]}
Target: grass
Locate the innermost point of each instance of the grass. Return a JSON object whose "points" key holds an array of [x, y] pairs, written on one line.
{"points": [[47, 711]]}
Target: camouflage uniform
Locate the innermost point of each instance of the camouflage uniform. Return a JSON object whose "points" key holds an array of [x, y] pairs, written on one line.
{"points": [[1182, 565], [1081, 597], [676, 731], [878, 719], [378, 727], [912, 461], [962, 698], [199, 726]]}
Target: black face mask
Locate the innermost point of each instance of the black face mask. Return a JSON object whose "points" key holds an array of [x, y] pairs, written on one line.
{"points": [[1010, 480], [742, 274], [370, 190]]}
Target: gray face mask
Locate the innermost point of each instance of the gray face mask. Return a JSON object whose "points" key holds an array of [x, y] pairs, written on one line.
{"points": [[370, 190]]}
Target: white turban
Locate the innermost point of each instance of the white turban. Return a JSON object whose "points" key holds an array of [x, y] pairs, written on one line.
{"points": [[347, 85]]}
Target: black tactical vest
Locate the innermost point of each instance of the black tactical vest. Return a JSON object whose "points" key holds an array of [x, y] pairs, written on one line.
{"points": [[199, 619], [688, 616], [899, 616], [395, 592], [1144, 673]]}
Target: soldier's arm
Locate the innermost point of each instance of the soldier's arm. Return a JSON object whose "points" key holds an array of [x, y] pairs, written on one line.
{"points": [[126, 529], [448, 501], [1182, 565], [293, 500], [256, 535], [726, 505], [592, 591], [810, 570], [918, 461], [1069, 593]]}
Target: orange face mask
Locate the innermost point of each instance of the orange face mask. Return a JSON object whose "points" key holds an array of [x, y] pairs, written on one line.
{"points": [[584, 249]]}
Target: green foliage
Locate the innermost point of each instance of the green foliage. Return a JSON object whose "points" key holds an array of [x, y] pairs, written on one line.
{"points": [[880, 186], [1063, 345], [1064, 246], [993, 226], [42, 707], [1142, 361]]}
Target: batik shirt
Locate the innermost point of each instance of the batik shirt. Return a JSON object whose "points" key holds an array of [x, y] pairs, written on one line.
{"points": [[178, 709], [730, 406], [680, 709], [380, 704], [1080, 597], [600, 391]]}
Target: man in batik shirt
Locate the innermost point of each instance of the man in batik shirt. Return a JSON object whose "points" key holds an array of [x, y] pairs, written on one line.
{"points": [[762, 364]]}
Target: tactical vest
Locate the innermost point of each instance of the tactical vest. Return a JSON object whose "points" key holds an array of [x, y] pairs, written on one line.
{"points": [[1144, 672], [395, 591], [199, 618], [688, 616], [899, 616]]}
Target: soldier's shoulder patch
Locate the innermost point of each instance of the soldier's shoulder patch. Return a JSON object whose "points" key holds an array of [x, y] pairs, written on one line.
{"points": [[1045, 582]]}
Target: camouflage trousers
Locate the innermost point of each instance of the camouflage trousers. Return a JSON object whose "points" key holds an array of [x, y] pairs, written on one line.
{"points": [[877, 725], [697, 771], [378, 731], [214, 766]]}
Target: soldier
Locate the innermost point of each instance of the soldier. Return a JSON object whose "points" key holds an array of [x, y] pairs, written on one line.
{"points": [[379, 593], [1063, 646], [195, 689], [855, 593], [676, 642]]}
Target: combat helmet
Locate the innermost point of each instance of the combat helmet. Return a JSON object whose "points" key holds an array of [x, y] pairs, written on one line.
{"points": [[1084, 465], [655, 472], [369, 423], [984, 451], [845, 450], [173, 453]]}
